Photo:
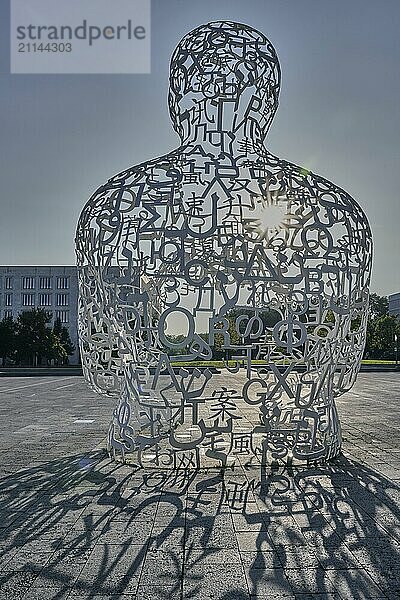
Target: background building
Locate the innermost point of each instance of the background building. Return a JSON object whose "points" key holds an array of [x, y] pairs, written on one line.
{"points": [[394, 304], [52, 288]]}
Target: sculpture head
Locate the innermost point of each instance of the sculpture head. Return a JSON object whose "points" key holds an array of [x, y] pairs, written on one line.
{"points": [[224, 74]]}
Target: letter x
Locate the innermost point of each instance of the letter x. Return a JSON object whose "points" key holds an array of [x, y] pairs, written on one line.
{"points": [[281, 379]]}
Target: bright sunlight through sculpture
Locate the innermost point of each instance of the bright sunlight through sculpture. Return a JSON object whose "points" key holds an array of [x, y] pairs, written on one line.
{"points": [[254, 261]]}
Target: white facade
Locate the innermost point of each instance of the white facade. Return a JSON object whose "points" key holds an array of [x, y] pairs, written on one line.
{"points": [[52, 288], [394, 304]]}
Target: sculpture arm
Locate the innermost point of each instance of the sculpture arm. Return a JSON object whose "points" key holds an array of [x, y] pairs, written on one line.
{"points": [[352, 347], [100, 361], [354, 325]]}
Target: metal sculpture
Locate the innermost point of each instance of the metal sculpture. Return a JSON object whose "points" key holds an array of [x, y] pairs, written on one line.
{"points": [[267, 265]]}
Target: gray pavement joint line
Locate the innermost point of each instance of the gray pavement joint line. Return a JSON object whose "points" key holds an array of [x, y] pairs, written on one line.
{"points": [[31, 385], [146, 551], [185, 525], [68, 385]]}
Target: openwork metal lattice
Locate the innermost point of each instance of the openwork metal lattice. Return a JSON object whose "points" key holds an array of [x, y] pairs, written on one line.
{"points": [[264, 264]]}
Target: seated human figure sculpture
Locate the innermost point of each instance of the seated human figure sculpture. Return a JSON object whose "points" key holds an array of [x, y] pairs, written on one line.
{"points": [[264, 264]]}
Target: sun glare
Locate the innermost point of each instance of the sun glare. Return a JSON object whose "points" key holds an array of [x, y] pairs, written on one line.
{"points": [[268, 216], [271, 217]]}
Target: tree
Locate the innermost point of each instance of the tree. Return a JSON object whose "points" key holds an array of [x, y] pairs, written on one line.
{"points": [[55, 349], [217, 350], [380, 336], [8, 331], [64, 338], [378, 306], [381, 329], [33, 340]]}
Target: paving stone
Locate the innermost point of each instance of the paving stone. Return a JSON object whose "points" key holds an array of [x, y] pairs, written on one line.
{"points": [[163, 566], [216, 537], [135, 533], [310, 580], [15, 584], [337, 559], [269, 583], [26, 561], [167, 539], [297, 557], [158, 593], [319, 596], [93, 596], [254, 542], [215, 583], [63, 567], [48, 591], [211, 556], [249, 523], [278, 595], [286, 536], [356, 584], [261, 560]]}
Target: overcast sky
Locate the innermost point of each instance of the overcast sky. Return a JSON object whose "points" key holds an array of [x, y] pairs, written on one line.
{"points": [[339, 115]]}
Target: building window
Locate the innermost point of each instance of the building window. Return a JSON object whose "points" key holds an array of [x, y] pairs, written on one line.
{"points": [[63, 315], [28, 300], [62, 283], [8, 300], [28, 283], [8, 314], [8, 283], [62, 300], [45, 283], [44, 299]]}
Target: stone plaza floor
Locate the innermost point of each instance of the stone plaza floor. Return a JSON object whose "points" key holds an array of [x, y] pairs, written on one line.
{"points": [[75, 525]]}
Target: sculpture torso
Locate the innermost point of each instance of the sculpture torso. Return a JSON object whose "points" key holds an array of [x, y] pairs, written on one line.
{"points": [[261, 258]]}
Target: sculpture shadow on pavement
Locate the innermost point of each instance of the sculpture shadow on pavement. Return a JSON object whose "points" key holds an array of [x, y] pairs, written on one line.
{"points": [[88, 527]]}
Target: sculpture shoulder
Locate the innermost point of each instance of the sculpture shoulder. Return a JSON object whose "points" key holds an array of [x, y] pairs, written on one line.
{"points": [[323, 196], [123, 191]]}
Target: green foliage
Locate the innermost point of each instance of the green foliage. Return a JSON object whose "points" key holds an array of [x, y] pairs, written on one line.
{"points": [[54, 348], [64, 338], [32, 336], [29, 339], [381, 330], [380, 333], [176, 339], [8, 334], [217, 350], [269, 318], [381, 337], [378, 306]]}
